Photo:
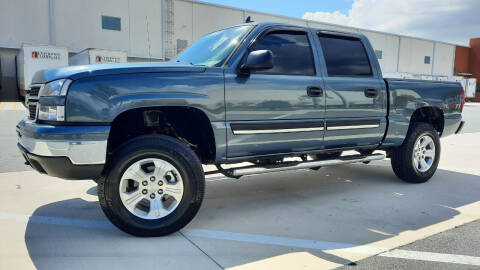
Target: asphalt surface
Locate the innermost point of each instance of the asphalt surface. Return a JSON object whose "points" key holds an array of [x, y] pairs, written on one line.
{"points": [[471, 115], [463, 240], [352, 214], [10, 157]]}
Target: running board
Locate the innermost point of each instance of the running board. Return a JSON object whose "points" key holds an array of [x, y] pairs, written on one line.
{"points": [[248, 170]]}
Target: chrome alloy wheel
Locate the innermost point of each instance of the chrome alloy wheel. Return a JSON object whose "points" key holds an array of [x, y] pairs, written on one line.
{"points": [[151, 188], [423, 153]]}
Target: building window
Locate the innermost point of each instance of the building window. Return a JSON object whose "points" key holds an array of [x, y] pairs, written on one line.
{"points": [[111, 23], [426, 60], [379, 54], [182, 44]]}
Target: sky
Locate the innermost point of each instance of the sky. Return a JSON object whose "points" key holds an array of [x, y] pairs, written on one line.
{"points": [[454, 21]]}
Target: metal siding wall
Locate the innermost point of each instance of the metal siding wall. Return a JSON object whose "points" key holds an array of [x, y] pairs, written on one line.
{"points": [[298, 22], [25, 21], [388, 44], [443, 59], [261, 17], [332, 27], [183, 22], [132, 38], [140, 12], [78, 24], [412, 55], [207, 19]]}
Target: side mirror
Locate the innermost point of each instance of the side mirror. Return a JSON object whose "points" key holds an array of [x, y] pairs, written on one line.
{"points": [[260, 59]]}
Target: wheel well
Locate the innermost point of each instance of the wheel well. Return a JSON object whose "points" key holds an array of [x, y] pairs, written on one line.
{"points": [[189, 125], [430, 115]]}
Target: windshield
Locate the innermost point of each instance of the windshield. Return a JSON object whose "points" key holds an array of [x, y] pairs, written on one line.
{"points": [[213, 49]]}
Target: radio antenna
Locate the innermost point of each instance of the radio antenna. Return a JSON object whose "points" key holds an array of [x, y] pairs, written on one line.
{"points": [[148, 39]]}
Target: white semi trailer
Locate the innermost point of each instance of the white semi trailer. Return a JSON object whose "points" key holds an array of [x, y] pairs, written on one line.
{"points": [[471, 87], [33, 58], [469, 84], [98, 56]]}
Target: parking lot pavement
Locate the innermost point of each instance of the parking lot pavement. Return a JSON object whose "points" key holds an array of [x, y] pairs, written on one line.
{"points": [[293, 220], [472, 117], [10, 158], [434, 252], [11, 106]]}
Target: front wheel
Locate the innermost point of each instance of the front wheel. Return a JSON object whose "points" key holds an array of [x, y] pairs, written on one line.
{"points": [[417, 159], [154, 186]]}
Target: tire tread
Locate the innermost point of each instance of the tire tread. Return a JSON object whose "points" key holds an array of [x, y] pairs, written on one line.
{"points": [[174, 148], [401, 156]]}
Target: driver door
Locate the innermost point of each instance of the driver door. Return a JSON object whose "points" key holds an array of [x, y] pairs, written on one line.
{"points": [[281, 109]]}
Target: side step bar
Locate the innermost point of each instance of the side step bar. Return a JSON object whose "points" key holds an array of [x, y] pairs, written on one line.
{"points": [[295, 165]]}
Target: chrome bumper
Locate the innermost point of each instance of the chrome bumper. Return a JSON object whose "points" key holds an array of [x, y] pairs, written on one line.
{"points": [[79, 152], [83, 145]]}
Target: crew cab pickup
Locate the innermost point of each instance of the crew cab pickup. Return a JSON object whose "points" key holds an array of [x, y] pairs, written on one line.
{"points": [[257, 92]]}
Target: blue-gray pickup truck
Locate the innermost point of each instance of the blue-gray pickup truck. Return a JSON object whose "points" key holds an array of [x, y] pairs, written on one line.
{"points": [[278, 96]]}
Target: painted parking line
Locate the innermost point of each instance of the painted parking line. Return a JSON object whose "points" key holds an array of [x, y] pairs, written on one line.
{"points": [[282, 241], [367, 250], [432, 257], [211, 234], [47, 220], [11, 106]]}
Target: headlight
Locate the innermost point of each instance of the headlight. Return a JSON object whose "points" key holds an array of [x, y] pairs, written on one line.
{"points": [[55, 88], [51, 104], [51, 113]]}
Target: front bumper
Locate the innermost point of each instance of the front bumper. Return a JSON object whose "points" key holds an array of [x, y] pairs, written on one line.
{"points": [[70, 152], [61, 167]]}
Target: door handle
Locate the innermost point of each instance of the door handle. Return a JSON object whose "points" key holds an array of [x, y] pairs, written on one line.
{"points": [[371, 92], [314, 91]]}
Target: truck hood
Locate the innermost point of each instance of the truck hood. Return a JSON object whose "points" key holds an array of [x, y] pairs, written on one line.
{"points": [[79, 72]]}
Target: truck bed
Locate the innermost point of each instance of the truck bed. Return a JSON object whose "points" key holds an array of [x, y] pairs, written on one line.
{"points": [[406, 96]]}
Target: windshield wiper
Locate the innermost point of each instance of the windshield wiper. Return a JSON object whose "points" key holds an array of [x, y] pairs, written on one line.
{"points": [[180, 61]]}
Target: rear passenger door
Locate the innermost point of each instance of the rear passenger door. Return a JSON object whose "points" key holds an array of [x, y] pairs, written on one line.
{"points": [[355, 93]]}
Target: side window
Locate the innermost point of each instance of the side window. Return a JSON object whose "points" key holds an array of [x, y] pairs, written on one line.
{"points": [[292, 53], [345, 56]]}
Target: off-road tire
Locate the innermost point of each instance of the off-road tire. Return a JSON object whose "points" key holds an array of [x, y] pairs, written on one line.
{"points": [[401, 157], [152, 146]]}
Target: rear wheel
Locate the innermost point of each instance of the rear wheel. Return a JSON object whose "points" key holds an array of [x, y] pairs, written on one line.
{"points": [[154, 186], [417, 159]]}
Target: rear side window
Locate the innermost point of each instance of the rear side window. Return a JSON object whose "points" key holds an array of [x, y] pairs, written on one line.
{"points": [[292, 54], [345, 56]]}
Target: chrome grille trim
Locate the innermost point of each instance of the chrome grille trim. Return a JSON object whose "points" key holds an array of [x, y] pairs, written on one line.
{"points": [[32, 110], [32, 100]]}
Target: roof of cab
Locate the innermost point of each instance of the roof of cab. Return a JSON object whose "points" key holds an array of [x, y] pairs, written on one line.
{"points": [[266, 24]]}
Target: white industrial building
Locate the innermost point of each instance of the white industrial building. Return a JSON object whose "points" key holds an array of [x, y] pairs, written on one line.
{"points": [[155, 30]]}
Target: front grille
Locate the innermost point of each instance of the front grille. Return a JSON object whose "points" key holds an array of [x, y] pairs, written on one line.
{"points": [[34, 90], [32, 110], [32, 100]]}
